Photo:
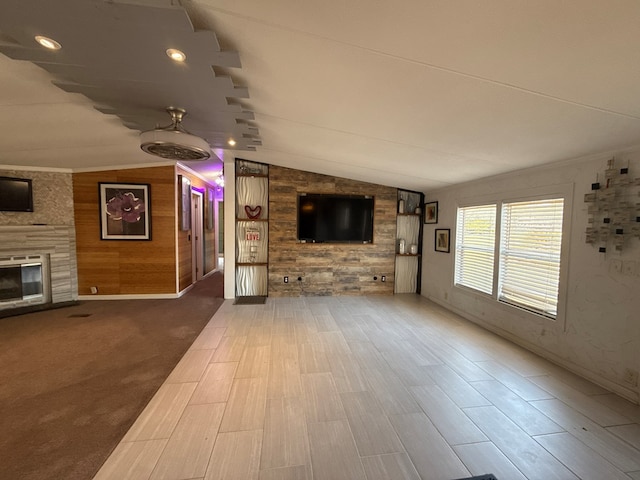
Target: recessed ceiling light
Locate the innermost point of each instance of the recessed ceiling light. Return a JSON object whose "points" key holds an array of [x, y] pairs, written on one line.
{"points": [[232, 142], [47, 42], [176, 55]]}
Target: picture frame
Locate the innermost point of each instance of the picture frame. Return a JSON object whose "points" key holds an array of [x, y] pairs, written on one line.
{"points": [[431, 212], [210, 208], [442, 240], [125, 211], [184, 203]]}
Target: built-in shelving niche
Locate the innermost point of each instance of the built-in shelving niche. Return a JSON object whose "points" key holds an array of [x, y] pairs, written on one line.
{"points": [[252, 228], [408, 242]]}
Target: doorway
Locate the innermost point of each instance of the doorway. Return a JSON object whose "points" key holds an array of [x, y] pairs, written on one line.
{"points": [[197, 243]]}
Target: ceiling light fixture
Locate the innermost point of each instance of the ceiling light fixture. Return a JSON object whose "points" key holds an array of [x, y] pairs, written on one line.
{"points": [[232, 142], [176, 55], [47, 42], [173, 141]]}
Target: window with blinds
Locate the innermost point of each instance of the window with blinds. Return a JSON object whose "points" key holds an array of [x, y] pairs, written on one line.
{"points": [[475, 247], [530, 246]]}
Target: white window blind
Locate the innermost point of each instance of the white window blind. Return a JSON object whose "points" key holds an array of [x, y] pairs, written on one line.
{"points": [[475, 246], [531, 240]]}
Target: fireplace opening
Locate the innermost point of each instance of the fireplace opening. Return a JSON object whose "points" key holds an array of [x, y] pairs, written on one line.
{"points": [[24, 280], [10, 283]]}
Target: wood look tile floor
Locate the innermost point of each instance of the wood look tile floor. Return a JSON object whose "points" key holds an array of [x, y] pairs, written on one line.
{"points": [[371, 388]]}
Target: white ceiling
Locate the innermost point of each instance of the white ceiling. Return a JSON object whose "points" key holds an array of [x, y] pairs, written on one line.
{"points": [[416, 94]]}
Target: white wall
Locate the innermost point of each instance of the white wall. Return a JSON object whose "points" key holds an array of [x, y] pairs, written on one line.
{"points": [[599, 337], [229, 228]]}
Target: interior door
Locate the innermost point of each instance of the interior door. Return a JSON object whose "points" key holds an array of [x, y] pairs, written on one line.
{"points": [[197, 263]]}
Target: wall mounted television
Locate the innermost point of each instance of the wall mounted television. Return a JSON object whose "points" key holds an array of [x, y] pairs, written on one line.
{"points": [[16, 195], [335, 218]]}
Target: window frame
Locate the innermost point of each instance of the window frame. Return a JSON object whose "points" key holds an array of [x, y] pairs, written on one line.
{"points": [[564, 191], [496, 208]]}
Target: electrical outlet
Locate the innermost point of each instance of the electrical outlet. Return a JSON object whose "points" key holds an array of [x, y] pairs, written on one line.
{"points": [[94, 290], [383, 278], [286, 279], [630, 376]]}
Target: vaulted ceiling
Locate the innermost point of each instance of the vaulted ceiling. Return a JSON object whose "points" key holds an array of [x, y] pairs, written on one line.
{"points": [[416, 94]]}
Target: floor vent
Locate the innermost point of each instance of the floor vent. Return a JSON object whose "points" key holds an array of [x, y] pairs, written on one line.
{"points": [[250, 300]]}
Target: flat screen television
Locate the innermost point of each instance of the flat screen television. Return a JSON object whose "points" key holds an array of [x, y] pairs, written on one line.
{"points": [[16, 195], [333, 218]]}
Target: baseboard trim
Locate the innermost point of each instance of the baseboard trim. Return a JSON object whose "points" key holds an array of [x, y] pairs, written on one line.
{"points": [[620, 390], [148, 296]]}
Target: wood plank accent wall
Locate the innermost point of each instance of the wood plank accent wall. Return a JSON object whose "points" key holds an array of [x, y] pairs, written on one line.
{"points": [[327, 269], [132, 267]]}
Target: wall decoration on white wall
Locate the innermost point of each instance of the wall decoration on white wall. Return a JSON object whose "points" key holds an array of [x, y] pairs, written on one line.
{"points": [[431, 212], [613, 208], [442, 240]]}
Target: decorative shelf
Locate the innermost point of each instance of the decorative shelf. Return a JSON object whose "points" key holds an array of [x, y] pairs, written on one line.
{"points": [[252, 234], [408, 233]]}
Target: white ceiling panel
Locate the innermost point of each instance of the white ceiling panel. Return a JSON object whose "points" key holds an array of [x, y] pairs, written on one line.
{"points": [[414, 94]]}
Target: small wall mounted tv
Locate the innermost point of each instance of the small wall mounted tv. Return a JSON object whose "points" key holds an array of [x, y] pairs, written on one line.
{"points": [[16, 195], [335, 218]]}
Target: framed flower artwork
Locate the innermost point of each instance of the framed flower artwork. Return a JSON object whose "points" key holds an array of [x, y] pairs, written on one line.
{"points": [[125, 211]]}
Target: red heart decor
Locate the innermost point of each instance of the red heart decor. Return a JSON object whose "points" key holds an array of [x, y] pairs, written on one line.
{"points": [[253, 213]]}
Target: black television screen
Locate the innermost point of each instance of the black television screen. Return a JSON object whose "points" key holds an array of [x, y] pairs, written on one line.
{"points": [[15, 195], [329, 218]]}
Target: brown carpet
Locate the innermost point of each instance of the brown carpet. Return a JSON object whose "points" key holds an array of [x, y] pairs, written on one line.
{"points": [[73, 380]]}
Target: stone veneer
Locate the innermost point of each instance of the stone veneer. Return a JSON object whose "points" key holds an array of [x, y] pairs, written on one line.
{"points": [[56, 241], [52, 199], [48, 230]]}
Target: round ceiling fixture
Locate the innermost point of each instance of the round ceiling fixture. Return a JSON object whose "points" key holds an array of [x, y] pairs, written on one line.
{"points": [[173, 141], [47, 42], [177, 55]]}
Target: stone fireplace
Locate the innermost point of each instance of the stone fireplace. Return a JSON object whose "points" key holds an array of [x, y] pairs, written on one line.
{"points": [[37, 267]]}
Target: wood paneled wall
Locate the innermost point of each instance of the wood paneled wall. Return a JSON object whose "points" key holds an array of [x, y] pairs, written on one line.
{"points": [[120, 267], [327, 269]]}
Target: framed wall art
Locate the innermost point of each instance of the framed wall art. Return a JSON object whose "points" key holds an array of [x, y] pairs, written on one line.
{"points": [[125, 211], [443, 240], [431, 212], [184, 202], [210, 208]]}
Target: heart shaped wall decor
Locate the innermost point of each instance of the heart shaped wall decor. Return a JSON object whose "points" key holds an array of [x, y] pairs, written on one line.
{"points": [[253, 213]]}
